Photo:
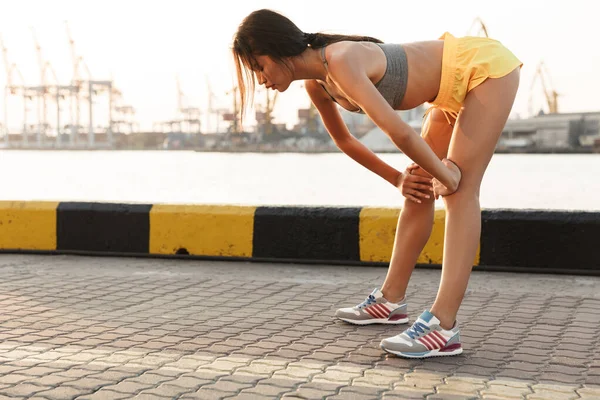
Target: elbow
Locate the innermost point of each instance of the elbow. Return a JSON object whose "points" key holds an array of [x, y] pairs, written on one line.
{"points": [[342, 142], [400, 138]]}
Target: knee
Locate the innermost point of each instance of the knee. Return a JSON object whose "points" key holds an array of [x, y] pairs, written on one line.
{"points": [[411, 207], [464, 195]]}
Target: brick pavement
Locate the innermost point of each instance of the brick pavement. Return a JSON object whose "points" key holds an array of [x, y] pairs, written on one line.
{"points": [[116, 328]]}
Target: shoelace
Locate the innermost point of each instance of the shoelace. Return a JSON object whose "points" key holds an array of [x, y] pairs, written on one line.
{"points": [[368, 301], [417, 330]]}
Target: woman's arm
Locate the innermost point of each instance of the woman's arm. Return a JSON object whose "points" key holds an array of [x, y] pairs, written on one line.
{"points": [[347, 70], [344, 140]]}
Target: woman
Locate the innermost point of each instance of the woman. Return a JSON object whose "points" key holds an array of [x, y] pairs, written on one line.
{"points": [[471, 83]]}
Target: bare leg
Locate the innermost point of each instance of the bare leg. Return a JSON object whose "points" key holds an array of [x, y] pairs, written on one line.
{"points": [[416, 220], [412, 232], [473, 142]]}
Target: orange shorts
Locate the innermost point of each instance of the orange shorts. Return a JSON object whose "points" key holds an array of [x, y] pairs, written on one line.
{"points": [[466, 63]]}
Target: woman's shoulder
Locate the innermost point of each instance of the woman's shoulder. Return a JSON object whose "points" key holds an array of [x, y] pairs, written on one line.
{"points": [[351, 45], [348, 50]]}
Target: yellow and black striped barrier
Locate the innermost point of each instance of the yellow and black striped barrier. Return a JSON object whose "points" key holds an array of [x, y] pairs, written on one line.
{"points": [[524, 240]]}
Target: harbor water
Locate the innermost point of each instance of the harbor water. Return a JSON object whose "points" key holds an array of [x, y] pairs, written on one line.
{"points": [[516, 181]]}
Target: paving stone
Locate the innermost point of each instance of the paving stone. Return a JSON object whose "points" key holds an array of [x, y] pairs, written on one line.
{"points": [[452, 396], [407, 393], [165, 390], [353, 396], [139, 335], [88, 384], [187, 382], [558, 378], [522, 366], [299, 371], [249, 396], [565, 369], [280, 382], [507, 388], [589, 392], [551, 395], [227, 386], [62, 392], [38, 371], [261, 367], [517, 374], [23, 390], [313, 390], [148, 396], [129, 386], [75, 373], [149, 378], [189, 362], [378, 378], [461, 385], [13, 379], [558, 388], [265, 390], [8, 369], [361, 391], [226, 365], [445, 369], [103, 394], [338, 374], [113, 375]]}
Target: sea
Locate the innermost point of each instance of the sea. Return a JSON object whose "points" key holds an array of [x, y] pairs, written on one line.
{"points": [[512, 181]]}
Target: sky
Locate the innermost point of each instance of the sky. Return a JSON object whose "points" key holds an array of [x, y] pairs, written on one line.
{"points": [[144, 45]]}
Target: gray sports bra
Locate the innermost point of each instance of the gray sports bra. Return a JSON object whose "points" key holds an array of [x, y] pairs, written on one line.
{"points": [[392, 85]]}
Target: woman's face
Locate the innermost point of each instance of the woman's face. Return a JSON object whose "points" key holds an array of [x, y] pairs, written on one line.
{"points": [[271, 74]]}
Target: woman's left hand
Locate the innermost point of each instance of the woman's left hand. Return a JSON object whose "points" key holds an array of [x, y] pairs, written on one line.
{"points": [[439, 189]]}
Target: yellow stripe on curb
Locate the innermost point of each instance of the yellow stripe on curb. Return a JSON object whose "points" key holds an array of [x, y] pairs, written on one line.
{"points": [[377, 230], [202, 230], [28, 225]]}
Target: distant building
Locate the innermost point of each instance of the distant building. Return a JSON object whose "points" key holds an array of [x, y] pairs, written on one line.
{"points": [[552, 132], [376, 140], [358, 124], [560, 132]]}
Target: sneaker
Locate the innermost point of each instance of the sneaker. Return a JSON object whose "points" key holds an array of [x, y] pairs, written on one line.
{"points": [[425, 338], [374, 310]]}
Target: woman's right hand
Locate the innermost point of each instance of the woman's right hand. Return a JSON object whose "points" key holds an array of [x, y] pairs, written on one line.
{"points": [[439, 189], [415, 187]]}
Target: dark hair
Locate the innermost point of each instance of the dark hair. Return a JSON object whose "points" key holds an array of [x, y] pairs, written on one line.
{"points": [[268, 33]]}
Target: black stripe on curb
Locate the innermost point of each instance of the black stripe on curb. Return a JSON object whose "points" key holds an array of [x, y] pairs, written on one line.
{"points": [[306, 233], [103, 227], [545, 240]]}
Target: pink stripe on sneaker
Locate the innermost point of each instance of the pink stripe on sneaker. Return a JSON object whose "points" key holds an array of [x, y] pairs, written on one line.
{"points": [[438, 343], [384, 308], [384, 311], [433, 340], [427, 342], [424, 343], [374, 311], [441, 337]]}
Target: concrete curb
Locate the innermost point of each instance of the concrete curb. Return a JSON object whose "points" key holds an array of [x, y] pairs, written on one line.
{"points": [[520, 240]]}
